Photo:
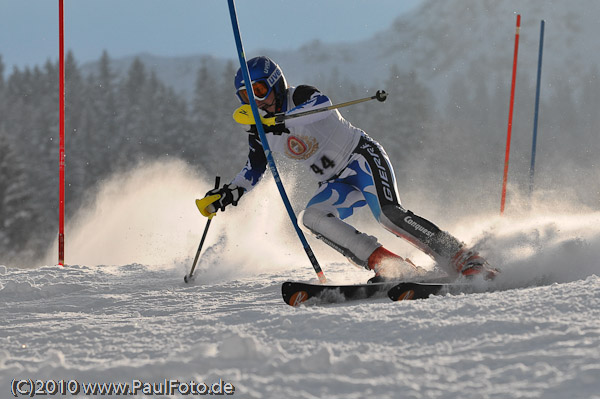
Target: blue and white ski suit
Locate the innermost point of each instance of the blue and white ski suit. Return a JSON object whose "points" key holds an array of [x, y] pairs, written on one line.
{"points": [[352, 171]]}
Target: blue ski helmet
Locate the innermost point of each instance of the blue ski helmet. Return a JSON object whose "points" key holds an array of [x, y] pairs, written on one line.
{"points": [[262, 70]]}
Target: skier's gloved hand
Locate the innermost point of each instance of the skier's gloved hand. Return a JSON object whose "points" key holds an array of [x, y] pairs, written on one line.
{"points": [[244, 116], [230, 194]]}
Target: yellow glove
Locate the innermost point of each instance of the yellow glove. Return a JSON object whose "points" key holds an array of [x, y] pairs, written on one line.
{"points": [[218, 199], [243, 115], [206, 207]]}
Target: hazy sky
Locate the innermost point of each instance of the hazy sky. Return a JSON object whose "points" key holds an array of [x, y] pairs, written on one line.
{"points": [[29, 28]]}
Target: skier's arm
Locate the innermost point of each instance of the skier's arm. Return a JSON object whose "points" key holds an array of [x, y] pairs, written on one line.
{"points": [[246, 179], [255, 166]]}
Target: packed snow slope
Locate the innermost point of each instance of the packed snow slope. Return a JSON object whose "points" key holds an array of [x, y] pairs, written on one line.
{"points": [[109, 317]]}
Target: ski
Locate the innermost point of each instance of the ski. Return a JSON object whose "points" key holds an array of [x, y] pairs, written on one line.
{"points": [[408, 290], [295, 293]]}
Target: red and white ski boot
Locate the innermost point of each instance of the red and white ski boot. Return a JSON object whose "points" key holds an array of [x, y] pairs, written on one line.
{"points": [[389, 266], [469, 263]]}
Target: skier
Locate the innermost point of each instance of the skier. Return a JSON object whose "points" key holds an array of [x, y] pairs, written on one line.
{"points": [[352, 170]]}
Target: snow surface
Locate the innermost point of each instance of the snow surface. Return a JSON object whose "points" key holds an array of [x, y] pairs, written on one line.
{"points": [[535, 333]]}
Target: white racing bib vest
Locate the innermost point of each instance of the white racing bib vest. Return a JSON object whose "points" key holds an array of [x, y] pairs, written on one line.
{"points": [[322, 141]]}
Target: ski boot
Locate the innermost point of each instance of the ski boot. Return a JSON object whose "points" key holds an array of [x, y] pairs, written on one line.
{"points": [[388, 267], [469, 263]]}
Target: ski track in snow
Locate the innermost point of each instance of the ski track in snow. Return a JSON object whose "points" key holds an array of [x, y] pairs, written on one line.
{"points": [[108, 324]]}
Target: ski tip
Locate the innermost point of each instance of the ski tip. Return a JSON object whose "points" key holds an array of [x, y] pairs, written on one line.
{"points": [[297, 298], [404, 296], [293, 296]]}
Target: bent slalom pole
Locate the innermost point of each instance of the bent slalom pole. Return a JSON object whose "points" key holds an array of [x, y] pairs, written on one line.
{"points": [[510, 115], [243, 115], [189, 277], [537, 109], [265, 144]]}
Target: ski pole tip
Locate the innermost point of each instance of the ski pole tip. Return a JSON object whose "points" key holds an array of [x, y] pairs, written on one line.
{"points": [[322, 277]]}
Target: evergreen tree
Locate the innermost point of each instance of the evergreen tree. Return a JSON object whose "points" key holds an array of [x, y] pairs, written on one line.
{"points": [[218, 137], [130, 119], [201, 118], [75, 132], [152, 137], [18, 219], [175, 125], [101, 127], [32, 123], [227, 133], [205, 92]]}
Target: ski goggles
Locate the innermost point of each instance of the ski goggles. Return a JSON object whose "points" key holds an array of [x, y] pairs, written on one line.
{"points": [[260, 88]]}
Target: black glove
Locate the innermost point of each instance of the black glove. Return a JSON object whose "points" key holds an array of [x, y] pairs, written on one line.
{"points": [[230, 194]]}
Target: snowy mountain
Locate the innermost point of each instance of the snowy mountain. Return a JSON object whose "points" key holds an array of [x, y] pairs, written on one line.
{"points": [[441, 40]]}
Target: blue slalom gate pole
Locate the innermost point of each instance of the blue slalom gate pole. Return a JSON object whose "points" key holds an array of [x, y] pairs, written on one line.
{"points": [[265, 144], [537, 107]]}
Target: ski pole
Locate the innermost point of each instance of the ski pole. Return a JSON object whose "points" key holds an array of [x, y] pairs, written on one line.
{"points": [[263, 139], [189, 277], [243, 115], [380, 95]]}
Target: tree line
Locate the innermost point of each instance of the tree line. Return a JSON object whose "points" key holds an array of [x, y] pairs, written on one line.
{"points": [[111, 125]]}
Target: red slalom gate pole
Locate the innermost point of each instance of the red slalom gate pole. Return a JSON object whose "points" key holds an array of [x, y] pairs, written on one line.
{"points": [[61, 162], [510, 114]]}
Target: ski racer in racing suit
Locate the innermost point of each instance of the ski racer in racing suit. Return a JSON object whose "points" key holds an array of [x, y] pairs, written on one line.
{"points": [[352, 170]]}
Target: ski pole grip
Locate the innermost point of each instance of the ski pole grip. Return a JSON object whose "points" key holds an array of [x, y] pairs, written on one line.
{"points": [[381, 95], [203, 203]]}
